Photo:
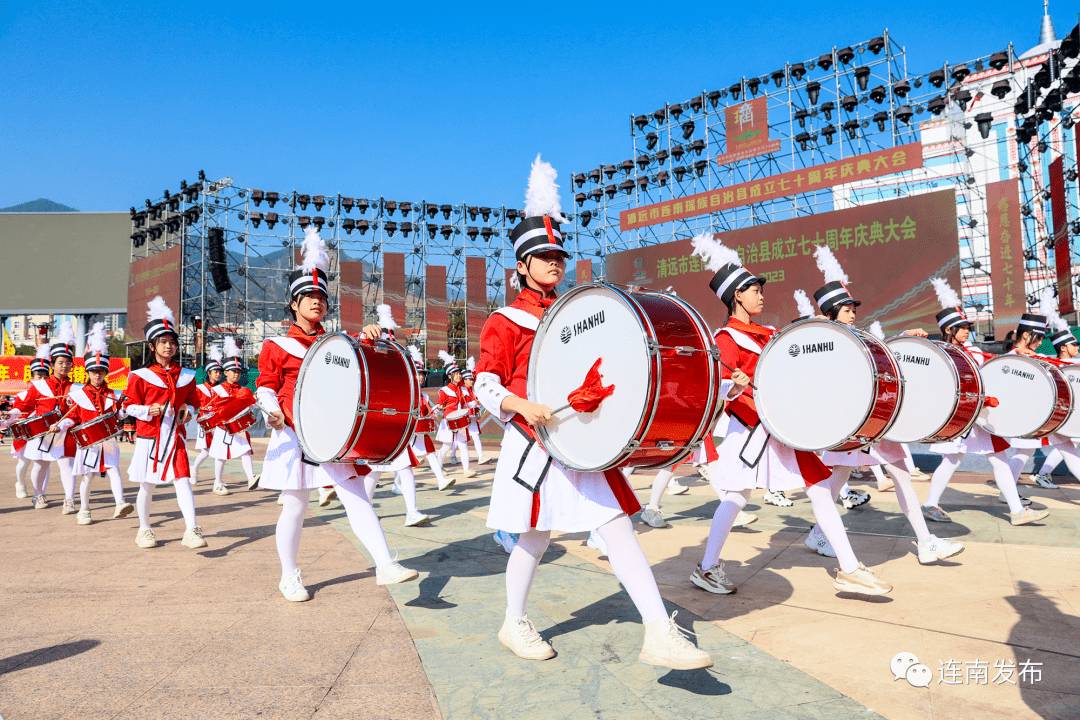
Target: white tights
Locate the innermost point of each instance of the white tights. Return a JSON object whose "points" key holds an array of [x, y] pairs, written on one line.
{"points": [[405, 480], [219, 468], [459, 445], [628, 562], [659, 485], [362, 519], [203, 454], [39, 476], [115, 483], [184, 498], [1068, 453], [905, 495], [20, 467], [1003, 476]]}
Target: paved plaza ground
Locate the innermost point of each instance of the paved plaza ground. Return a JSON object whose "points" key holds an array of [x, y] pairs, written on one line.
{"points": [[94, 627]]}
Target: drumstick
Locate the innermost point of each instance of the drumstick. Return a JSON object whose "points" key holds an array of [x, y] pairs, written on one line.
{"points": [[731, 369]]}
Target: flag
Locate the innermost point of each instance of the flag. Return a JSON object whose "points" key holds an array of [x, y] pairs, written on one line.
{"points": [[8, 346], [587, 398]]}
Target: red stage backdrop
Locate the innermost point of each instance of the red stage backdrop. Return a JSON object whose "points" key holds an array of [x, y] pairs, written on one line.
{"points": [[159, 274], [15, 373], [352, 296], [476, 311], [1006, 237], [1062, 248], [394, 286], [860, 167], [747, 126], [890, 250], [436, 315]]}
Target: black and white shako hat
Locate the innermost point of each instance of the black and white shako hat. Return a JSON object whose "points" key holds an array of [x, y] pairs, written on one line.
{"points": [[161, 321], [539, 231], [97, 352], [834, 292], [450, 365], [952, 313], [729, 274], [64, 344], [1030, 322], [417, 358], [214, 363], [41, 360], [470, 369], [232, 359], [310, 276]]}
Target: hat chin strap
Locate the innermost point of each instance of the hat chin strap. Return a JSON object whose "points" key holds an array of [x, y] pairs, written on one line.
{"points": [[528, 276]]}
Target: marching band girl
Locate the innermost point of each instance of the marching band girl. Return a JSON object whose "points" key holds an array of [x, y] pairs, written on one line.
{"points": [[422, 445], [956, 330], [1067, 349], [206, 394], [838, 305], [225, 445], [284, 467], [468, 381], [749, 457], [90, 402], [18, 447], [162, 398], [453, 397]]}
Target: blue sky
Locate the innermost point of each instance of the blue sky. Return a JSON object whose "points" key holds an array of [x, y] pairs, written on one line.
{"points": [[104, 104]]}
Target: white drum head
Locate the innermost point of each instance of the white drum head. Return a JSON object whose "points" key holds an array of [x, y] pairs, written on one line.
{"points": [[930, 387], [815, 385], [456, 414], [1025, 395], [594, 323], [1071, 427], [327, 397]]}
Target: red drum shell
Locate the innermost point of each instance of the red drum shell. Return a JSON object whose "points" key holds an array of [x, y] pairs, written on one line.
{"points": [[208, 421], [100, 429], [38, 425], [240, 423], [971, 399], [458, 420], [1062, 406], [426, 425], [889, 393]]}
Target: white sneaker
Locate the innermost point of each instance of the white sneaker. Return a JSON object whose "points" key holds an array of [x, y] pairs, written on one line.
{"points": [[326, 495], [123, 510], [817, 541], [674, 487], [83, 518], [597, 543], [20, 490], [861, 581], [392, 573], [745, 518], [221, 490], [666, 646], [69, 507], [416, 518], [446, 482], [1043, 480], [854, 498], [934, 548], [40, 503], [1023, 500], [919, 475], [146, 539], [396, 489], [484, 460], [292, 587], [507, 541], [470, 473], [653, 517], [777, 498], [713, 580], [281, 498], [193, 538], [520, 636], [703, 471], [1027, 515], [253, 483]]}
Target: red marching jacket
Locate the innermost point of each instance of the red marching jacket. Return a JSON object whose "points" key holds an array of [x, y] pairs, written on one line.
{"points": [[45, 395]]}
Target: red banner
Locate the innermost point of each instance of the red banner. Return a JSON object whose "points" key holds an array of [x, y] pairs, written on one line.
{"points": [[511, 293], [476, 311], [15, 373], [583, 269], [1006, 238], [890, 250], [860, 167], [159, 274], [747, 126], [352, 296], [1062, 247], [394, 285], [435, 313]]}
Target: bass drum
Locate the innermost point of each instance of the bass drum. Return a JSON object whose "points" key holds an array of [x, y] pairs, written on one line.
{"points": [[658, 353], [1034, 398], [1071, 427], [821, 385], [943, 391], [355, 401]]}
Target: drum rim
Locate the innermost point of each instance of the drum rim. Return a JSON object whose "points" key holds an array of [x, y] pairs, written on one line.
{"points": [[360, 418], [940, 347], [1048, 370], [859, 335], [41, 416], [545, 322]]}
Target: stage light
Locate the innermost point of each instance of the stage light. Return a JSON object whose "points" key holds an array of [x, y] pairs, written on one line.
{"points": [[714, 98], [446, 210], [875, 46], [936, 105], [984, 121], [596, 194], [904, 113], [1020, 107], [698, 146], [662, 156], [676, 110], [778, 77], [679, 172], [849, 102], [734, 90], [362, 205], [700, 166], [753, 84], [641, 121], [1023, 136], [431, 210], [1042, 76], [174, 201], [1075, 227], [687, 129], [862, 76], [825, 62], [406, 228], [851, 127], [389, 206], [1070, 44], [845, 55], [271, 219], [627, 166], [881, 118], [406, 208], [256, 218], [594, 175], [660, 115], [486, 233], [936, 78], [580, 198], [828, 131], [1071, 174], [348, 225], [303, 221], [643, 182], [661, 178], [972, 223], [643, 161], [472, 210], [801, 116], [318, 201], [610, 191], [586, 218], [803, 139], [391, 227], [1043, 146], [627, 186], [878, 94], [813, 91], [677, 151], [1021, 166], [827, 109], [1025, 210], [580, 179], [303, 201], [960, 72], [999, 60], [1000, 89], [901, 89], [696, 104], [138, 239], [797, 71], [651, 140]]}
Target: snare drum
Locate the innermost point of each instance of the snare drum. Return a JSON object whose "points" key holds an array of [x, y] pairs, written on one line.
{"points": [[822, 385], [458, 420], [426, 425], [100, 429], [1034, 398], [355, 401], [38, 425], [658, 353], [240, 423], [943, 391]]}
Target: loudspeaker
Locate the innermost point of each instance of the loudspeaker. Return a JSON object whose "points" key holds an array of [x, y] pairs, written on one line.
{"points": [[215, 250]]}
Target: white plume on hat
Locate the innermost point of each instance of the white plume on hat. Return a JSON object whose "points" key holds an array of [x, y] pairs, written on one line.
{"points": [[156, 309], [470, 364], [715, 255], [515, 282], [230, 349], [829, 265], [414, 353], [446, 357], [95, 340], [315, 255], [215, 353], [945, 294], [542, 195], [43, 351], [876, 331], [803, 302], [66, 335], [1048, 306], [386, 317]]}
